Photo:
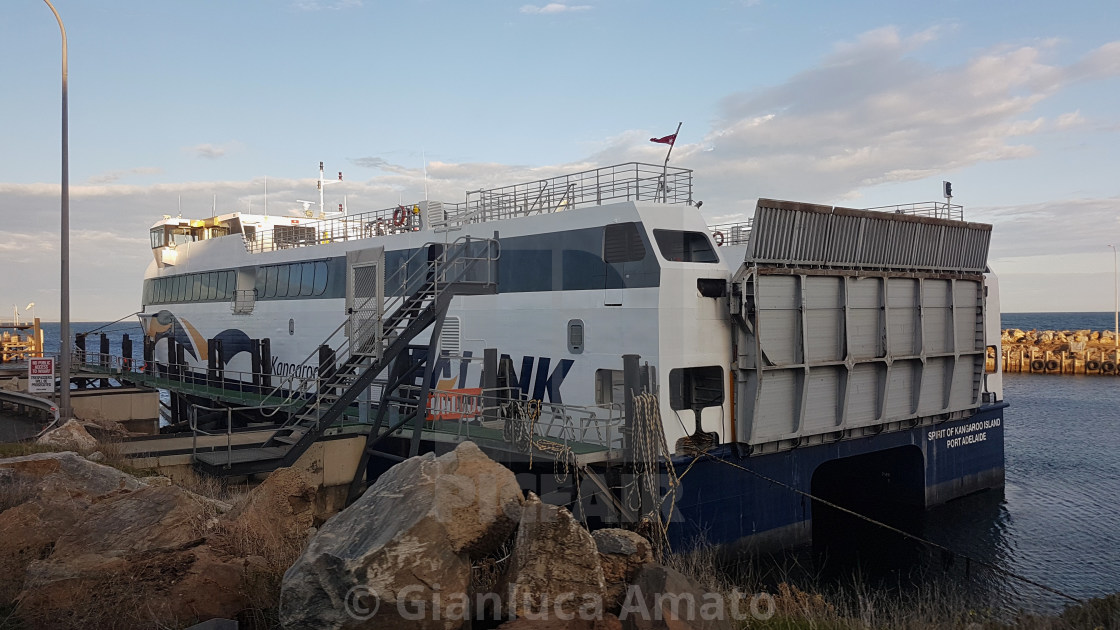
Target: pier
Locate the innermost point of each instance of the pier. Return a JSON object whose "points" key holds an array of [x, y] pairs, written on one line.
{"points": [[1083, 352], [15, 346]]}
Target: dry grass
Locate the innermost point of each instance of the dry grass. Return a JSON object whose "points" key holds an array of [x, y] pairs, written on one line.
{"points": [[212, 487], [938, 605], [19, 449], [15, 489], [269, 549]]}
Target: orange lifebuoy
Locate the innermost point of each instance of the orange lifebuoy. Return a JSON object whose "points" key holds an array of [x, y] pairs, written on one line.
{"points": [[400, 215], [719, 238]]}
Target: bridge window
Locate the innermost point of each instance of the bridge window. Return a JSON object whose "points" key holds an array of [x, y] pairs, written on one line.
{"points": [[681, 246], [622, 243], [182, 235]]}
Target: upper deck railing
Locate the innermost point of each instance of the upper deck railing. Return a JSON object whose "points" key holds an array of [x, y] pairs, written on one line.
{"points": [[633, 181], [336, 229], [731, 233], [935, 209], [738, 233]]}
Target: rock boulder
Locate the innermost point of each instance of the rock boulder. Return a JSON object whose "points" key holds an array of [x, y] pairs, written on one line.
{"points": [[406, 544], [554, 569], [663, 599], [621, 554], [284, 503], [135, 558], [71, 436]]}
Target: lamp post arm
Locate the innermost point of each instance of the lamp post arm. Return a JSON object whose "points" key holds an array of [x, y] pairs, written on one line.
{"points": [[64, 304]]}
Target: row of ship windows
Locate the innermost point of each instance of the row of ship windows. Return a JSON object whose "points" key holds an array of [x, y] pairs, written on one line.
{"points": [[212, 286], [308, 279], [301, 279]]}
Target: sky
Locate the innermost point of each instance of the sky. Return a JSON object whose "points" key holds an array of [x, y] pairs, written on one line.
{"points": [[864, 103]]}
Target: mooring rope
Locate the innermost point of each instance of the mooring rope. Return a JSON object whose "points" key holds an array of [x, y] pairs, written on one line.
{"points": [[649, 446], [110, 323], [919, 539]]}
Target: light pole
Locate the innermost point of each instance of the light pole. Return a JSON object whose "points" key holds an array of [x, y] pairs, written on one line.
{"points": [[64, 305], [1115, 302]]}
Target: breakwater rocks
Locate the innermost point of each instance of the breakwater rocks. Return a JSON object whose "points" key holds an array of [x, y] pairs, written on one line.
{"points": [[1058, 352]]}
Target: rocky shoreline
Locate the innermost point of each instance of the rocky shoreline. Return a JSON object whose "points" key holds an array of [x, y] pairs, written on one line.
{"points": [[441, 542], [1058, 352]]}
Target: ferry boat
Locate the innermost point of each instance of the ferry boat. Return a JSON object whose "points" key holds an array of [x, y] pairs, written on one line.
{"points": [[811, 353]]}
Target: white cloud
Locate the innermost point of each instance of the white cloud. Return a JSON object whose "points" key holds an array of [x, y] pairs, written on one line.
{"points": [[109, 177], [869, 112], [554, 7], [1070, 120], [323, 5], [210, 151]]}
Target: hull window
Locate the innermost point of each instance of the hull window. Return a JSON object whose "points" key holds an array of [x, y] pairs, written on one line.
{"points": [[575, 336]]}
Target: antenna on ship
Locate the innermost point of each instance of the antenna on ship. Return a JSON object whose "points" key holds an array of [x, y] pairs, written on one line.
{"points": [[180, 206], [266, 195], [323, 182], [424, 158], [307, 208]]}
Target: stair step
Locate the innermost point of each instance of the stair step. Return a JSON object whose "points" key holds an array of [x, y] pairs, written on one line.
{"points": [[242, 456]]}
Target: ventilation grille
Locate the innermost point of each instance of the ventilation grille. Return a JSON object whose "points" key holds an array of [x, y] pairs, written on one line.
{"points": [[449, 336]]}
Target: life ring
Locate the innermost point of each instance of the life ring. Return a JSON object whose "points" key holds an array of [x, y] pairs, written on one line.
{"points": [[400, 215], [719, 238], [1052, 365], [1108, 367], [1092, 365], [1037, 365]]}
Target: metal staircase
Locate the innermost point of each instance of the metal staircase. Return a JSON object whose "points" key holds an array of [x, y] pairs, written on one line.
{"points": [[374, 337]]}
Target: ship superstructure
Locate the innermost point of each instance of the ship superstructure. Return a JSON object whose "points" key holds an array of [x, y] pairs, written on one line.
{"points": [[806, 336]]}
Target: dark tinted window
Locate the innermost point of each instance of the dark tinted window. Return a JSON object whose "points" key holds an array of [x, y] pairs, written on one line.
{"points": [[622, 243], [320, 278], [696, 387], [680, 246]]}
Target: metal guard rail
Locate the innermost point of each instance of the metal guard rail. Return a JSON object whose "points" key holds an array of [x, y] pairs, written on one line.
{"points": [[731, 233]]}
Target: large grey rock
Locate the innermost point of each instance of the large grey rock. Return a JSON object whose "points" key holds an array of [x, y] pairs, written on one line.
{"points": [[663, 599], [406, 543], [554, 569]]}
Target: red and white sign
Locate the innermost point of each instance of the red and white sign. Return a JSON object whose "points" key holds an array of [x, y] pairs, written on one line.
{"points": [[40, 375]]}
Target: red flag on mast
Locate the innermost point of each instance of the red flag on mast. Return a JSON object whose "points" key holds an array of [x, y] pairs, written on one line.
{"points": [[670, 139]]}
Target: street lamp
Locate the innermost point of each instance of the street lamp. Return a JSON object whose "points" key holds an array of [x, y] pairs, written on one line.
{"points": [[64, 306], [1115, 302]]}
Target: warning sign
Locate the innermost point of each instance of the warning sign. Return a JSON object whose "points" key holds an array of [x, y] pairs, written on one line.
{"points": [[40, 375]]}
